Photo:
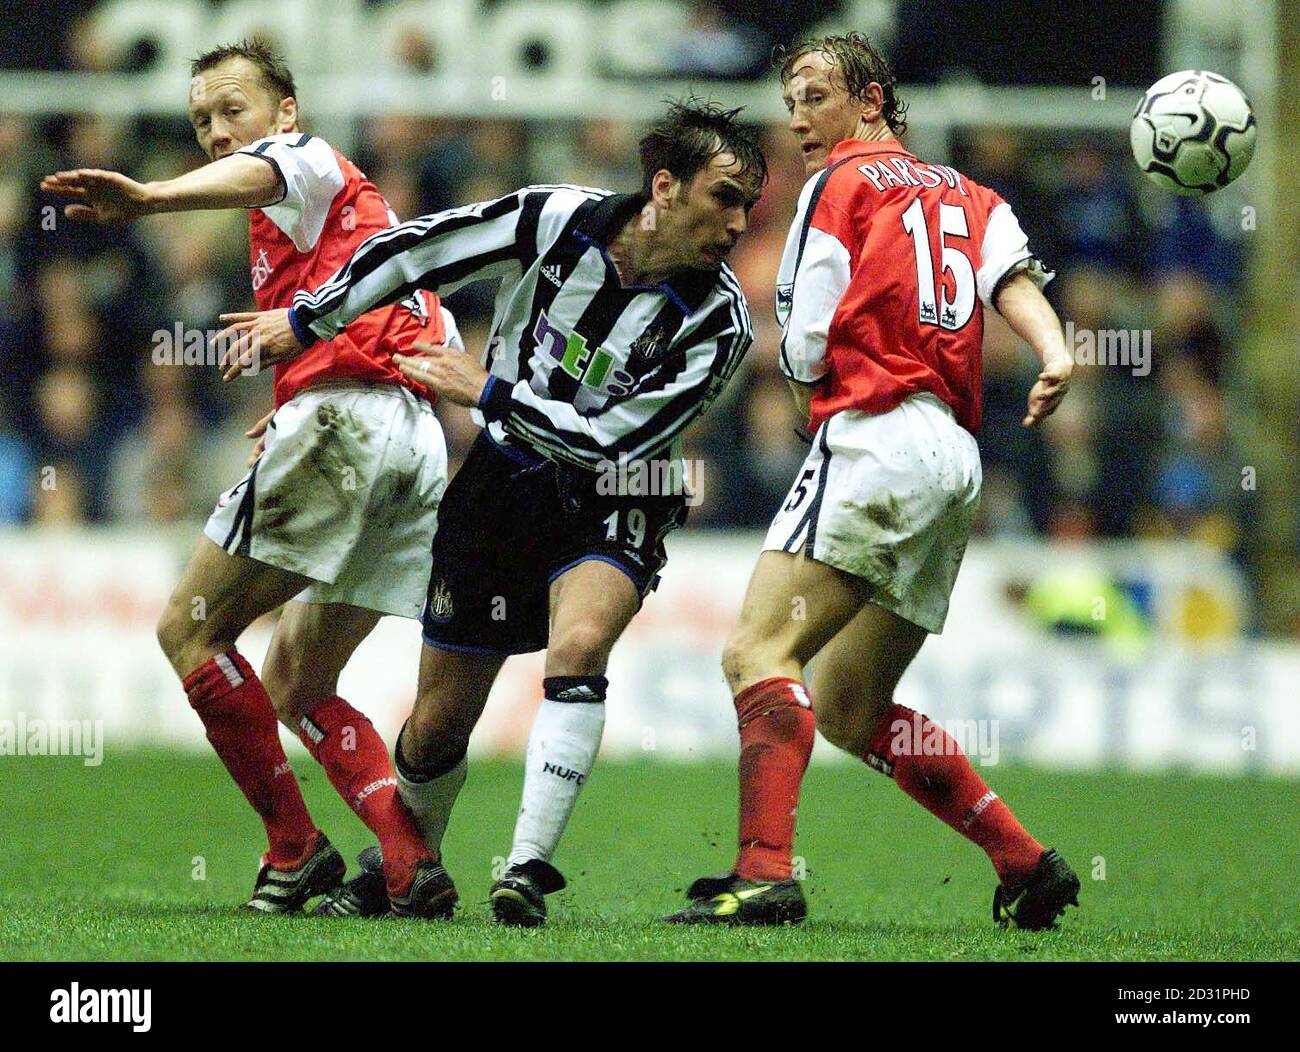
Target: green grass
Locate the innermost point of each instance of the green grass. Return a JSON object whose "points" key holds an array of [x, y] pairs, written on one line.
{"points": [[98, 863]]}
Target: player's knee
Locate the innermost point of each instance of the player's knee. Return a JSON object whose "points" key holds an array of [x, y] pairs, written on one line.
{"points": [[181, 636], [733, 662], [166, 631], [743, 658], [580, 650]]}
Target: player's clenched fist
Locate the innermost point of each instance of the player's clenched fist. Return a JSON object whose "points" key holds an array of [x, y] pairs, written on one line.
{"points": [[449, 372], [257, 339], [99, 196]]}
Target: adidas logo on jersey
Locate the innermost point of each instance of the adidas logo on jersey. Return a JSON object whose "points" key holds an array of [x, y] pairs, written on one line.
{"points": [[552, 274]]}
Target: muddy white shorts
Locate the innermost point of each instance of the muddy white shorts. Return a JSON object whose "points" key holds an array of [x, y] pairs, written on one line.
{"points": [[890, 498], [346, 493]]}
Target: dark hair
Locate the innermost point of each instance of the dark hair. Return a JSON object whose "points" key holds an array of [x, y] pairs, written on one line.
{"points": [[860, 63], [691, 134], [275, 74]]}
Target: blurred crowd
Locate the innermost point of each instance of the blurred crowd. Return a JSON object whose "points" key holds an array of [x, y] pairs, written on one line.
{"points": [[92, 429]]}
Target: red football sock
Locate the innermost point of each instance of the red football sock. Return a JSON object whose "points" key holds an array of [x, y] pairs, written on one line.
{"points": [[776, 739], [241, 725], [347, 745], [929, 766]]}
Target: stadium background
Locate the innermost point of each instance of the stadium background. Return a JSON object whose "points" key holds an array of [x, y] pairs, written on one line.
{"points": [[1132, 599]]}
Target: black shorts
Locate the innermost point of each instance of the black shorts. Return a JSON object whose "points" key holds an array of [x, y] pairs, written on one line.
{"points": [[509, 524]]}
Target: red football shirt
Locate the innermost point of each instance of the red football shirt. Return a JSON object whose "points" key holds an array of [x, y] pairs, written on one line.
{"points": [[886, 271], [329, 207]]}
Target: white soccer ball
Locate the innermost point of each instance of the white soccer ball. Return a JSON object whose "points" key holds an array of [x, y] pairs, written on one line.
{"points": [[1193, 132]]}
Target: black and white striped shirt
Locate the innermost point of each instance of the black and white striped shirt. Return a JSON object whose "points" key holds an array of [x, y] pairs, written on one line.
{"points": [[582, 369]]}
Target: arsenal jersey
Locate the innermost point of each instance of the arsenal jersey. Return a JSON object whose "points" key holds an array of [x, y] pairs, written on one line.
{"points": [[329, 207], [886, 271]]}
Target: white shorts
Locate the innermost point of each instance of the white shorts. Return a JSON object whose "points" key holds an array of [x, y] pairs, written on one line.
{"points": [[346, 493], [890, 498]]}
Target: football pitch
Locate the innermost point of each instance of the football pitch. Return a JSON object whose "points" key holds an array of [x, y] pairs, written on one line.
{"points": [[146, 857]]}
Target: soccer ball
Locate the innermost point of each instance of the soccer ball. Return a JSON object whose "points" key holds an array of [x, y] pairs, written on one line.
{"points": [[1193, 132]]}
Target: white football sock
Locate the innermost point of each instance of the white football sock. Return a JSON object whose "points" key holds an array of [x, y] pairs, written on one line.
{"points": [[561, 750], [430, 802]]}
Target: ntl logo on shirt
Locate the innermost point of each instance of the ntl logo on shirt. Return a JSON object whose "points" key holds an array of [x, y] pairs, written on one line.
{"points": [[577, 359]]}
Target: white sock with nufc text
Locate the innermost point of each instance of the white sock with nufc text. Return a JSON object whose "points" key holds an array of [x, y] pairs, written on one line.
{"points": [[561, 750]]}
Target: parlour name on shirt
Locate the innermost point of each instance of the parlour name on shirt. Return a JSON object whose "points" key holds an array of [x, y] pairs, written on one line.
{"points": [[900, 171]]}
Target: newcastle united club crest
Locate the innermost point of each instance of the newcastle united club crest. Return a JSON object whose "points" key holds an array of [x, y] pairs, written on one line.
{"points": [[440, 607], [647, 349]]}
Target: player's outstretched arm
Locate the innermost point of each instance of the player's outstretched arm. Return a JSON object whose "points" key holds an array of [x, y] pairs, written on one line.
{"points": [[1032, 318], [98, 196], [439, 252]]}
